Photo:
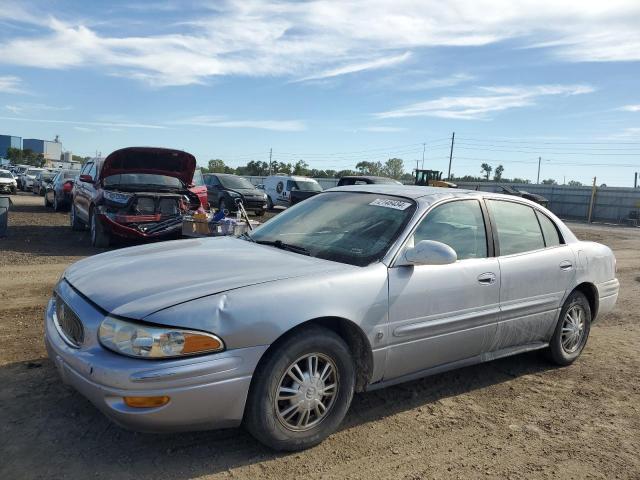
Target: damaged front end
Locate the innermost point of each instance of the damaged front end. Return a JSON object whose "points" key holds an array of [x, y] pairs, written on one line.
{"points": [[145, 214]]}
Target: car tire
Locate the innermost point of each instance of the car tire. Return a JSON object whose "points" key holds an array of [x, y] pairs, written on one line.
{"points": [[572, 330], [76, 223], [269, 203], [268, 416], [99, 238], [259, 213], [47, 204]]}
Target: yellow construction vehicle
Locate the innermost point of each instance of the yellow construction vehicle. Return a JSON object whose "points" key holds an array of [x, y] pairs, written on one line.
{"points": [[432, 178]]}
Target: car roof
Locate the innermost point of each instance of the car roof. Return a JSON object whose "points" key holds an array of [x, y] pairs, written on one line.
{"points": [[424, 195]]}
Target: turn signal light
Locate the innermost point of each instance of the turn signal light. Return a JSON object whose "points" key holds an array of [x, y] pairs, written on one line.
{"points": [[200, 343], [145, 402]]}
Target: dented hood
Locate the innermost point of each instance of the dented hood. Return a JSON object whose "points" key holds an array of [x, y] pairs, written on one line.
{"points": [[136, 282], [159, 161]]}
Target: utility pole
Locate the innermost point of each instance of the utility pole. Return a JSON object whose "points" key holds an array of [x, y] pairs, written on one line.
{"points": [[539, 161], [453, 137], [424, 147], [635, 181], [592, 201], [270, 163]]}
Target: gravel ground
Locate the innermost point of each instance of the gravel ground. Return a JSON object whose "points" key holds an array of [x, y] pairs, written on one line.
{"points": [[515, 418]]}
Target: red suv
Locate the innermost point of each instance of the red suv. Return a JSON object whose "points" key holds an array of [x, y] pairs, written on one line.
{"points": [[136, 193]]}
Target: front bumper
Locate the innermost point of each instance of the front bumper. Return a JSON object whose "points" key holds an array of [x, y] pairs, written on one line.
{"points": [[7, 187], [206, 392], [124, 231]]}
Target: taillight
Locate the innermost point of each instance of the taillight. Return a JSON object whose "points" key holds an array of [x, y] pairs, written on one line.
{"points": [[67, 187]]}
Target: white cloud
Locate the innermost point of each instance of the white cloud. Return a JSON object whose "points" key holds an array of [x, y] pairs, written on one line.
{"points": [[221, 122], [359, 67], [439, 82], [474, 107], [630, 108], [383, 129], [84, 122], [298, 39], [20, 108], [10, 84], [83, 129]]}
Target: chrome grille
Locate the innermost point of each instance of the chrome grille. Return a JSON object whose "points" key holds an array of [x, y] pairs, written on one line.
{"points": [[68, 324]]}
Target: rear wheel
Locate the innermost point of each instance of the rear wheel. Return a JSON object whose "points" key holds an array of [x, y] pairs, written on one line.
{"points": [[269, 203], [301, 391], [76, 223], [572, 330], [99, 238]]}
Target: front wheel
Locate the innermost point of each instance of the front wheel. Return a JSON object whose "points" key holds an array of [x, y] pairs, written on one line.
{"points": [[301, 391], [269, 203], [99, 237], [47, 203], [572, 330]]}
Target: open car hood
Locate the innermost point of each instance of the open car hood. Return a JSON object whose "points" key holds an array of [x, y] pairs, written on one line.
{"points": [[159, 161]]}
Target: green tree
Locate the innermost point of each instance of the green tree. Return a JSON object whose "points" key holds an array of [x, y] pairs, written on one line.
{"points": [[301, 168], [394, 168], [486, 169], [369, 168], [549, 181], [26, 157], [574, 183], [216, 166], [497, 175]]}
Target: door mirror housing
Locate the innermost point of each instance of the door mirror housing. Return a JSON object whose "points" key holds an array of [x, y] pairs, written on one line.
{"points": [[429, 252], [86, 178]]}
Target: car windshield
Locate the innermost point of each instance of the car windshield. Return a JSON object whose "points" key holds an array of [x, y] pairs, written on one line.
{"points": [[49, 175], [232, 181], [34, 171], [5, 175], [137, 180], [347, 227], [198, 180], [303, 185]]}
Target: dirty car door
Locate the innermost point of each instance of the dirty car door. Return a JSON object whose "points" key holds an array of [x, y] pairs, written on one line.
{"points": [[536, 268], [444, 313]]}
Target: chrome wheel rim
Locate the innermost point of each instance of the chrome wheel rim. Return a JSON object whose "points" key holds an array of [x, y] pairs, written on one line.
{"points": [[573, 328], [306, 392]]}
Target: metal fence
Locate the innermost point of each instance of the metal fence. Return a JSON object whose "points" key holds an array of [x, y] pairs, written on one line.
{"points": [[611, 204]]}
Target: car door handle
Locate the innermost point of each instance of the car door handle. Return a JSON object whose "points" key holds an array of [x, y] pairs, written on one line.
{"points": [[487, 278], [566, 265]]}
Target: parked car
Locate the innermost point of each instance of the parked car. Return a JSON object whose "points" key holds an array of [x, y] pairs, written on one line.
{"points": [[287, 190], [366, 180], [41, 180], [198, 187], [18, 172], [28, 177], [354, 289], [136, 193], [534, 197], [59, 192], [8, 184], [225, 190]]}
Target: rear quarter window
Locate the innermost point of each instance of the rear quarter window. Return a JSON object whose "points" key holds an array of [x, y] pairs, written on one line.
{"points": [[549, 230]]}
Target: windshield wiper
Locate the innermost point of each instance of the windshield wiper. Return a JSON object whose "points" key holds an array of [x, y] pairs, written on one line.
{"points": [[246, 236], [284, 246]]}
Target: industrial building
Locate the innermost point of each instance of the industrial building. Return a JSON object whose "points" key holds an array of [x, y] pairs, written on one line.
{"points": [[52, 150], [9, 141]]}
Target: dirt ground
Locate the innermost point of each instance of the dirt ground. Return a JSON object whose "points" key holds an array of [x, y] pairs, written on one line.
{"points": [[515, 418]]}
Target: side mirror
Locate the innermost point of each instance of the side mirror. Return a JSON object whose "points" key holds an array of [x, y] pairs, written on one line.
{"points": [[430, 252], [86, 178]]}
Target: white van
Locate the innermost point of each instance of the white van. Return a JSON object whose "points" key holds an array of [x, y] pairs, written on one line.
{"points": [[279, 189]]}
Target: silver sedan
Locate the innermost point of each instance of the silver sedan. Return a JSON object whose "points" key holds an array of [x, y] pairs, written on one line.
{"points": [[355, 289]]}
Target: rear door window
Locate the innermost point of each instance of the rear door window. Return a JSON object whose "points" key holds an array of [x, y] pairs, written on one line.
{"points": [[517, 227], [549, 230]]}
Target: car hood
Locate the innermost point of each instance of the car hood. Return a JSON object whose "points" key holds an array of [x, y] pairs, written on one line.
{"points": [[138, 281], [247, 191], [159, 161], [6, 180]]}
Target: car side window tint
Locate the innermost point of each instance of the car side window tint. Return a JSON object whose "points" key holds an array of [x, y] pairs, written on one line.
{"points": [[517, 226], [459, 224], [549, 230]]}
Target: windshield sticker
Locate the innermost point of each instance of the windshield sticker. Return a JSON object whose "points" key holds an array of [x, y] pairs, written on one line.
{"points": [[395, 204]]}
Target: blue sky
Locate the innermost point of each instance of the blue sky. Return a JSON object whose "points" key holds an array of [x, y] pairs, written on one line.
{"points": [[334, 83]]}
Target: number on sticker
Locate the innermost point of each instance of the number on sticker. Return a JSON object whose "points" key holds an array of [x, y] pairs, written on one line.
{"points": [[395, 204]]}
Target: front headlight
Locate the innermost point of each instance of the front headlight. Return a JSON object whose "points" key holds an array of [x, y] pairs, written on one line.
{"points": [[234, 194], [144, 341]]}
